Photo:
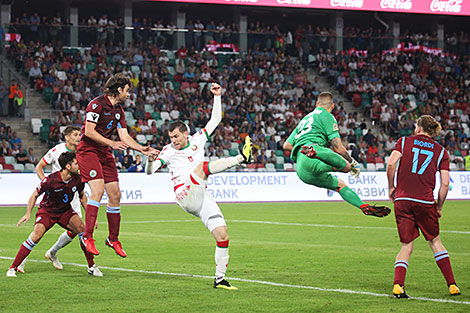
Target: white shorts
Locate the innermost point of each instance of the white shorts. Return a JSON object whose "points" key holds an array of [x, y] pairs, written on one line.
{"points": [[194, 199], [76, 204]]}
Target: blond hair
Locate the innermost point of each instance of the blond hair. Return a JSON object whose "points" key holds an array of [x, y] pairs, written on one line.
{"points": [[325, 99]]}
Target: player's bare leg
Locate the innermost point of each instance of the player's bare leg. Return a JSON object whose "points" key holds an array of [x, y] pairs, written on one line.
{"points": [[443, 261], [26, 248], [351, 197], [77, 227], [221, 258], [401, 265], [97, 191], [113, 213]]}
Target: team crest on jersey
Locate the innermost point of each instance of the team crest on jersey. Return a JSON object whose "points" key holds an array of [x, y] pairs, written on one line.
{"points": [[94, 106], [92, 173], [194, 147], [74, 188], [118, 116], [335, 126]]}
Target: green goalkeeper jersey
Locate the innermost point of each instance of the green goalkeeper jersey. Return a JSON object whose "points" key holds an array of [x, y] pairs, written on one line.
{"points": [[318, 127]]}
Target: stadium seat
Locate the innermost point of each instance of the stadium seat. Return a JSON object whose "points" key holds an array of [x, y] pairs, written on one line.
{"points": [[148, 108], [10, 160], [270, 167], [233, 152], [2, 160], [386, 159], [214, 158], [378, 159], [453, 166], [19, 167], [156, 116], [261, 169], [380, 167], [141, 139], [280, 160], [29, 168], [288, 167], [279, 167], [370, 167], [279, 153], [150, 122], [1, 167], [165, 116], [148, 137], [226, 153], [370, 159], [135, 69], [234, 145], [8, 167]]}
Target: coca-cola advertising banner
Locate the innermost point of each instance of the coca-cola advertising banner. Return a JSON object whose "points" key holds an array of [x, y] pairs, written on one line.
{"points": [[449, 7]]}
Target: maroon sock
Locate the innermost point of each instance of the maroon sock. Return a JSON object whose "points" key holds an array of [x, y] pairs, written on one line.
{"points": [[400, 272], [70, 234], [446, 269], [114, 222], [89, 257], [90, 219], [22, 254]]}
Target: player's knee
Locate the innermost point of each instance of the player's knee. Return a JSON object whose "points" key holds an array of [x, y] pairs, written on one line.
{"points": [[115, 197], [97, 193]]}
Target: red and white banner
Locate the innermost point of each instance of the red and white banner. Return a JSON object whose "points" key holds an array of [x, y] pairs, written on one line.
{"points": [[409, 47], [448, 7], [12, 37], [214, 46]]}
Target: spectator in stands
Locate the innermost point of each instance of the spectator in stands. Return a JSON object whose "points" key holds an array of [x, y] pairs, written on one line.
{"points": [[3, 134], [5, 148], [34, 74], [3, 93], [15, 140], [21, 157], [15, 98], [32, 158], [54, 137]]}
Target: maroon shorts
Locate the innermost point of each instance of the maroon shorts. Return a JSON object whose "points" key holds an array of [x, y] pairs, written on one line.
{"points": [[96, 163], [413, 216], [49, 219]]}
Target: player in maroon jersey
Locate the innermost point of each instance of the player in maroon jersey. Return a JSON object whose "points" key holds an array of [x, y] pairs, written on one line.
{"points": [[59, 189], [104, 115], [415, 208]]}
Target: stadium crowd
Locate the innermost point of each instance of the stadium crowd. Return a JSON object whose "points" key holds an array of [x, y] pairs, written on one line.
{"points": [[267, 90]]}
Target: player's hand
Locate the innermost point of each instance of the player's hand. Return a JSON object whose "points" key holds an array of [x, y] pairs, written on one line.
{"points": [[391, 193], [152, 157], [439, 210], [216, 89], [355, 169], [119, 145], [149, 151], [24, 219]]}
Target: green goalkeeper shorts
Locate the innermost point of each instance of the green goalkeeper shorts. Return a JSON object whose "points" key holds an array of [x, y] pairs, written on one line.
{"points": [[316, 172]]}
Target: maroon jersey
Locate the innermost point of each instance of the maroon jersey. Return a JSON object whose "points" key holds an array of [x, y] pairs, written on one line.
{"points": [[106, 116], [421, 158], [57, 193]]}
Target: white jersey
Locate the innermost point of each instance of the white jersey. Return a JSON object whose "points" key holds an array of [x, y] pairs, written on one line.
{"points": [[182, 162], [52, 156]]}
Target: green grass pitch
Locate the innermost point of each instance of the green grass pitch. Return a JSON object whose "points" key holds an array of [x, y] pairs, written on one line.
{"points": [[328, 257]]}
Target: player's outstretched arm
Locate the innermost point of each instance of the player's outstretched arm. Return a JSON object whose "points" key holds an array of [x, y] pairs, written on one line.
{"points": [[216, 115], [152, 165], [391, 169], [131, 143], [29, 208]]}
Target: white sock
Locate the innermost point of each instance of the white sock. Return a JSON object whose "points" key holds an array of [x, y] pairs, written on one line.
{"points": [[224, 164], [63, 240], [221, 262]]}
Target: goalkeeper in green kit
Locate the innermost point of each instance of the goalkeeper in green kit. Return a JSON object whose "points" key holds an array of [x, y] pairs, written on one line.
{"points": [[308, 146]]}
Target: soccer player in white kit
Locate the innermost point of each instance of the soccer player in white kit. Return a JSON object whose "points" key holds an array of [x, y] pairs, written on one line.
{"points": [[185, 160], [72, 138]]}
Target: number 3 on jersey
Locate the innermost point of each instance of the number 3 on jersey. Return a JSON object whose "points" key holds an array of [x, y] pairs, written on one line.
{"points": [[305, 126], [416, 153]]}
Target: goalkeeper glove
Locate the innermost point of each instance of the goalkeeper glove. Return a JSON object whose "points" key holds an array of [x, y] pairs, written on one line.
{"points": [[355, 169]]}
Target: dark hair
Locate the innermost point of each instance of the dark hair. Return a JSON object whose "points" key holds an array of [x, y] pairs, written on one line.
{"points": [[114, 83], [429, 125], [69, 129], [178, 124], [66, 158]]}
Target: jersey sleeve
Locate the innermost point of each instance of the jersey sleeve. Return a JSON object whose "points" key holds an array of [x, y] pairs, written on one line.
{"points": [[443, 164], [50, 156], [164, 156], [93, 111], [331, 128], [43, 186], [122, 120], [201, 137], [399, 145], [291, 138]]}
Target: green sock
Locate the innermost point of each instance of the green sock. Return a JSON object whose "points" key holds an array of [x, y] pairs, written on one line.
{"points": [[351, 197]]}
